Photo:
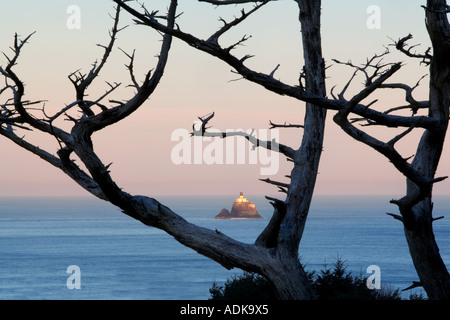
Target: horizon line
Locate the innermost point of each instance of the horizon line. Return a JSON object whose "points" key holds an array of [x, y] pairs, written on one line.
{"points": [[212, 195]]}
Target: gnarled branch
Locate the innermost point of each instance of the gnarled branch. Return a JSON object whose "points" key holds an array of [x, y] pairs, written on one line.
{"points": [[269, 145], [274, 85], [402, 47]]}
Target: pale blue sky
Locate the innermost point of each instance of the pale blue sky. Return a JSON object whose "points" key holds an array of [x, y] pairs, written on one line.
{"points": [[196, 84]]}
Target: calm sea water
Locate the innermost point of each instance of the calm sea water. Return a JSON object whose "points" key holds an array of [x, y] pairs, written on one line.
{"points": [[120, 258]]}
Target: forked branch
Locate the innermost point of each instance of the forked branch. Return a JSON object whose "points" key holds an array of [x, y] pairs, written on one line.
{"points": [[274, 85], [82, 81], [385, 148], [228, 25], [256, 142], [285, 125], [404, 48]]}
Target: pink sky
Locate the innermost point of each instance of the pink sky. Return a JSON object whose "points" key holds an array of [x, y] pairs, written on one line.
{"points": [[194, 85]]}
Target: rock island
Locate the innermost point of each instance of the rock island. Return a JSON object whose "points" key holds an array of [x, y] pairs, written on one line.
{"points": [[241, 209]]}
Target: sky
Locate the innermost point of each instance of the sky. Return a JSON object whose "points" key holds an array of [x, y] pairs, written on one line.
{"points": [[141, 147]]}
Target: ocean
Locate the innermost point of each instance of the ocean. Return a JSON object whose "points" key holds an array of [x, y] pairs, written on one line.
{"points": [[120, 258]]}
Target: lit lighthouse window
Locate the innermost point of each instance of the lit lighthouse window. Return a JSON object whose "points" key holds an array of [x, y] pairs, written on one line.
{"points": [[241, 198]]}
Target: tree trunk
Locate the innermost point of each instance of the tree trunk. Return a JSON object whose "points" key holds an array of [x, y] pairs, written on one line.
{"points": [[307, 157], [294, 283], [290, 280], [424, 251], [418, 220]]}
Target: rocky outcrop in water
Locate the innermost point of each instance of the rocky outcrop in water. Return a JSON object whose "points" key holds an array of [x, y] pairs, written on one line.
{"points": [[241, 209]]}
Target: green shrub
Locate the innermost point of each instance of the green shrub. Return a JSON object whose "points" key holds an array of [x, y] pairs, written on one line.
{"points": [[330, 284], [248, 286], [337, 284]]}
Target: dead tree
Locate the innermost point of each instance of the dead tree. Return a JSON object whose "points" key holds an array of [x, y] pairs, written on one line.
{"points": [[415, 207], [76, 144], [274, 253]]}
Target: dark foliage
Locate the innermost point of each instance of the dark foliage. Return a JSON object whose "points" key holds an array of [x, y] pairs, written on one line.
{"points": [[337, 284], [248, 286], [330, 284]]}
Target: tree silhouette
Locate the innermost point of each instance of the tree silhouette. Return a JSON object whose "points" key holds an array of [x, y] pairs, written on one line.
{"points": [[275, 251]]}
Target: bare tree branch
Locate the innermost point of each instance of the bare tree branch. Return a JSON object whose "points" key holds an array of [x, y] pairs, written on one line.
{"points": [[226, 2], [402, 47], [78, 140], [374, 63], [395, 216], [269, 145], [387, 149], [285, 125], [414, 105], [63, 163], [130, 68], [443, 11], [228, 25], [275, 252], [85, 127], [269, 237], [276, 183], [415, 284], [18, 92], [274, 85], [82, 81]]}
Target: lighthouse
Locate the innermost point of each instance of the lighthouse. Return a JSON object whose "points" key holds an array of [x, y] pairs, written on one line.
{"points": [[241, 209]]}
